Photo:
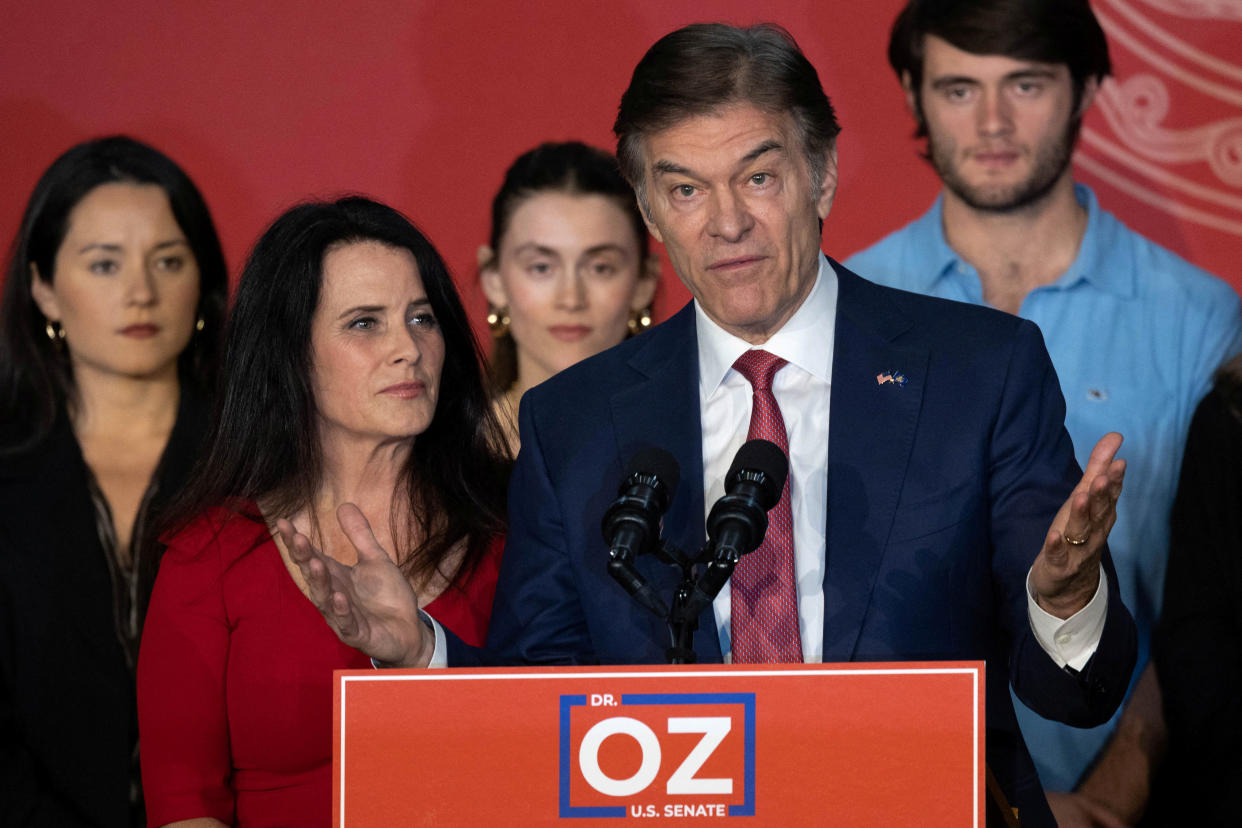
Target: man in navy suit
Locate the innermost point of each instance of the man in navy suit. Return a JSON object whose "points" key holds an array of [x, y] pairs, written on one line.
{"points": [[935, 509]]}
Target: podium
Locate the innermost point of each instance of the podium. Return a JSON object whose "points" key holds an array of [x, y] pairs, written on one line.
{"points": [[813, 744]]}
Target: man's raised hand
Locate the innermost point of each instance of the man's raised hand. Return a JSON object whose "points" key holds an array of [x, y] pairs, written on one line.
{"points": [[1066, 573]]}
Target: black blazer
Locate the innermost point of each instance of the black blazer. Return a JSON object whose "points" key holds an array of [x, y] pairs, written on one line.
{"points": [[68, 719]]}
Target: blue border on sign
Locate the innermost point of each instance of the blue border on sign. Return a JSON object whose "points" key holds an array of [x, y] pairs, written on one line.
{"points": [[568, 702]]}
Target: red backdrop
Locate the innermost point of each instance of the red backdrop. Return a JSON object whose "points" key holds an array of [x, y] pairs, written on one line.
{"points": [[423, 104]]}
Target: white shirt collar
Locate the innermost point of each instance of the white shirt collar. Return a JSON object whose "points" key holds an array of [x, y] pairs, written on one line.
{"points": [[806, 340]]}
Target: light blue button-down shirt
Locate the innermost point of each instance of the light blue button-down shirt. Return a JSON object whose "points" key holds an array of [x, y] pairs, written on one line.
{"points": [[1134, 333]]}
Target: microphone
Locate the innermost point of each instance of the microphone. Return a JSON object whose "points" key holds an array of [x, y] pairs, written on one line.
{"points": [[739, 520], [631, 526]]}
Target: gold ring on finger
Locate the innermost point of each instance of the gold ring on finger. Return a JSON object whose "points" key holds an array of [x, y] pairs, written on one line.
{"points": [[1072, 541]]}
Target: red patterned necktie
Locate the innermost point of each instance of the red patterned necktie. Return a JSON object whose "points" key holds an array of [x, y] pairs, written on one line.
{"points": [[764, 598]]}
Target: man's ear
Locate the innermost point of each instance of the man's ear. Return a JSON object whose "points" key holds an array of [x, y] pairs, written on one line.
{"points": [[489, 278], [646, 214], [912, 95], [43, 295], [828, 187], [1089, 90]]}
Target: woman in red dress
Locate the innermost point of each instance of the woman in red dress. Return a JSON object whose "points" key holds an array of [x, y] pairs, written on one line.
{"points": [[351, 375]]}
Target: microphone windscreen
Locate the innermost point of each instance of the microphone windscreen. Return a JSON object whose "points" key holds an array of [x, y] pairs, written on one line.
{"points": [[766, 457], [659, 462]]}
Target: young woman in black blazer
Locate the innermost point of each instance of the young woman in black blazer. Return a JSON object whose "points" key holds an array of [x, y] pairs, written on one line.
{"points": [[114, 298]]}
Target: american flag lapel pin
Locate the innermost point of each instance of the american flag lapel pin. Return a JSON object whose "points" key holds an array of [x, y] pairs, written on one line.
{"points": [[894, 377]]}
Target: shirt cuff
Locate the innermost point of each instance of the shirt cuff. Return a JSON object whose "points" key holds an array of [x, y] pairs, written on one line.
{"points": [[1070, 642], [439, 655]]}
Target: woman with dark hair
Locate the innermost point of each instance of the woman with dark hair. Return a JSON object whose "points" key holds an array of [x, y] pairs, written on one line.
{"points": [[567, 271], [351, 376], [109, 334]]}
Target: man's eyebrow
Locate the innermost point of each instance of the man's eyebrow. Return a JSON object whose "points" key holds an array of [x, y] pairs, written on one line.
{"points": [[1031, 72], [765, 147], [1026, 73], [663, 167], [953, 80]]}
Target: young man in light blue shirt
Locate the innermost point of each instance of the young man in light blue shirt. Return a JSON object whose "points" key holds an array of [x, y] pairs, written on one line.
{"points": [[999, 90]]}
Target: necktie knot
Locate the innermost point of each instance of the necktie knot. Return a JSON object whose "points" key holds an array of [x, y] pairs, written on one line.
{"points": [[759, 367]]}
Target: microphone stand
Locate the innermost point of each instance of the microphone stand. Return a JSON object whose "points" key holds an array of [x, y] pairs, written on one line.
{"points": [[683, 617], [690, 597]]}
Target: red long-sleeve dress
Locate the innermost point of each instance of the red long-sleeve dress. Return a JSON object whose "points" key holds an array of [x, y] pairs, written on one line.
{"points": [[235, 678]]}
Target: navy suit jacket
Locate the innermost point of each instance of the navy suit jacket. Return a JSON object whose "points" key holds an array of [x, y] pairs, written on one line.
{"points": [[940, 493]]}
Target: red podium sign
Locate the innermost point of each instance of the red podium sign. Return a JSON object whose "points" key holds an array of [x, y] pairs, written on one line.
{"points": [[813, 744]]}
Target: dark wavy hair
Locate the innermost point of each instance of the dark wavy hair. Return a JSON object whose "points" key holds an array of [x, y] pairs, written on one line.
{"points": [[1047, 31], [702, 67], [264, 442], [36, 380], [568, 167]]}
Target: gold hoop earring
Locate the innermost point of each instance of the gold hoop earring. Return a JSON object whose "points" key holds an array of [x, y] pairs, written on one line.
{"points": [[498, 321], [640, 320], [54, 331], [200, 324]]}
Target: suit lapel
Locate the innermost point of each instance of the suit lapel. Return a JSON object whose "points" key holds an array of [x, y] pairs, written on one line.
{"points": [[872, 424], [661, 410]]}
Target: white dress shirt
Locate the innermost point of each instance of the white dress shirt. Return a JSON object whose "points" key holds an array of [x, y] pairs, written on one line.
{"points": [[803, 390]]}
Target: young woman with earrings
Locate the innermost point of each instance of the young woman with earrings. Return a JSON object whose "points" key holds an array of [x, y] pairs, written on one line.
{"points": [[567, 271], [114, 300]]}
